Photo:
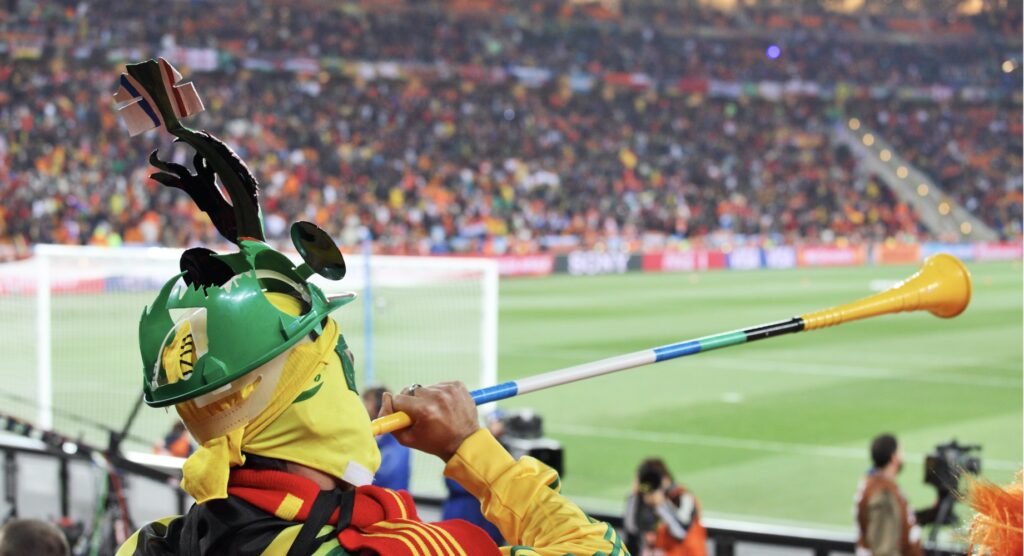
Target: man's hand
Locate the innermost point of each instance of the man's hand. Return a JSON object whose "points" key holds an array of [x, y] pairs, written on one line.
{"points": [[654, 498], [443, 416]]}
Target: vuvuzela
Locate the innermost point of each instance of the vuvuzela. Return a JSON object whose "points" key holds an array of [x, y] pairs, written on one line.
{"points": [[942, 287]]}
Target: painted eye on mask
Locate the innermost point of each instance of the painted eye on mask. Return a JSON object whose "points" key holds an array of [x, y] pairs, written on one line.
{"points": [[348, 364], [309, 393]]}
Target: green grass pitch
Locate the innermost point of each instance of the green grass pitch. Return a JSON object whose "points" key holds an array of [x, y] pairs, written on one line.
{"points": [[774, 431]]}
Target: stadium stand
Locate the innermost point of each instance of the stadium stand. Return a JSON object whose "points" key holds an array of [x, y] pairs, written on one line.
{"points": [[973, 152], [583, 146]]}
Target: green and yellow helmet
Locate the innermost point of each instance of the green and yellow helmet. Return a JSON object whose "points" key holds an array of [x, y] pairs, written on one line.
{"points": [[223, 299], [234, 326]]}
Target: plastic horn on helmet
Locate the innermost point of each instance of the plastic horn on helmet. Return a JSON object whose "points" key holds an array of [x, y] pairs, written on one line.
{"points": [[942, 287]]}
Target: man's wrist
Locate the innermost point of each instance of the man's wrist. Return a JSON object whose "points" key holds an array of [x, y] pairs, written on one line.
{"points": [[478, 462], [450, 452]]}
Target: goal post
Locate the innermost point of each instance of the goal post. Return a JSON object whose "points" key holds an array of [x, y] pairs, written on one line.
{"points": [[471, 283], [431, 319]]}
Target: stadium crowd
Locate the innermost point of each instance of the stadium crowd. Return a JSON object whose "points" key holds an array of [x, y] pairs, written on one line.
{"points": [[472, 165], [972, 152], [659, 41]]}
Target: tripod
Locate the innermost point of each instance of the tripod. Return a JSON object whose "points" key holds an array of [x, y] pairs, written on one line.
{"points": [[938, 515]]}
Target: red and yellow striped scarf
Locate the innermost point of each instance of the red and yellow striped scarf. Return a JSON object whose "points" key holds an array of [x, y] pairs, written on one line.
{"points": [[383, 521]]}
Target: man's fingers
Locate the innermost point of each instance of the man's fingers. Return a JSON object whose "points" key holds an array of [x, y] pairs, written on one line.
{"points": [[415, 408], [385, 405], [424, 402], [413, 405], [442, 415]]}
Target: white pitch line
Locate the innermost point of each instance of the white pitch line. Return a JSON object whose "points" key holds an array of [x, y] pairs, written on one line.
{"points": [[765, 365], [745, 444]]}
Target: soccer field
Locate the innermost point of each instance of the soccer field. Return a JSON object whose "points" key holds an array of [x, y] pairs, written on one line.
{"points": [[777, 430], [772, 431]]}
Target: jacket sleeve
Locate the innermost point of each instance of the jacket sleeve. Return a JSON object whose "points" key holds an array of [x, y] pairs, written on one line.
{"points": [[629, 517], [522, 498], [884, 526], [678, 518]]}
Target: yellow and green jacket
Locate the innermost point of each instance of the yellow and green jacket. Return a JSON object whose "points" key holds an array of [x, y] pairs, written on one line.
{"points": [[272, 513]]}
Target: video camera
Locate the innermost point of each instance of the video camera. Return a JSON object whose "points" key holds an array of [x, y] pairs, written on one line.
{"points": [[944, 466], [524, 436], [943, 469]]}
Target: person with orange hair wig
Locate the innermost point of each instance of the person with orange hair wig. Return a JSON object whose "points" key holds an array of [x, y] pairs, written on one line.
{"points": [[998, 527]]}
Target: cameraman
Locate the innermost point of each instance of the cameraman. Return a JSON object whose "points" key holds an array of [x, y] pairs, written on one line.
{"points": [[885, 522], [662, 517]]}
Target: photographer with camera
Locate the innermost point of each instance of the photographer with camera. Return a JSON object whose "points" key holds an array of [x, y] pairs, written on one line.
{"points": [[662, 518], [885, 523]]}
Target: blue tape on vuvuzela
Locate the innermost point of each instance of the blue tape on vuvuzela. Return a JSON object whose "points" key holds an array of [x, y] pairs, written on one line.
{"points": [[495, 393], [677, 350]]}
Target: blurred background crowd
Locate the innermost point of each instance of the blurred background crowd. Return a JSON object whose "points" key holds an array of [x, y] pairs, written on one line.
{"points": [[558, 125]]}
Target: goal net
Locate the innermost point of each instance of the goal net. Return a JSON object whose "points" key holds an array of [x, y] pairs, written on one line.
{"points": [[70, 329]]}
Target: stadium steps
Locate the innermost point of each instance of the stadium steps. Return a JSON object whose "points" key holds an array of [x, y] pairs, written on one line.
{"points": [[939, 213]]}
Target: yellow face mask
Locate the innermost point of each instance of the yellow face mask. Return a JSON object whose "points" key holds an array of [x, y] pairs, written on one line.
{"points": [[325, 427], [306, 412]]}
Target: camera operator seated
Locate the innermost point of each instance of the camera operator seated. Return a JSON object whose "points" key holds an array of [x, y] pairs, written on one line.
{"points": [[885, 522], [661, 517]]}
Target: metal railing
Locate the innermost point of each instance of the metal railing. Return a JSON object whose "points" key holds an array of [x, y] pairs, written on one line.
{"points": [[723, 535]]}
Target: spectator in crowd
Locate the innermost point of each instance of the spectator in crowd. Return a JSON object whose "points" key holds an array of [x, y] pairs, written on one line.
{"points": [[288, 454], [662, 517], [24, 537], [177, 443], [395, 459], [998, 525], [885, 522]]}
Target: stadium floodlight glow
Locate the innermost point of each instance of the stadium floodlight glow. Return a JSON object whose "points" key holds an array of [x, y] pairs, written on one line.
{"points": [[902, 172], [922, 189], [885, 155], [1009, 66], [942, 287], [965, 228], [854, 124], [868, 139], [944, 208]]}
